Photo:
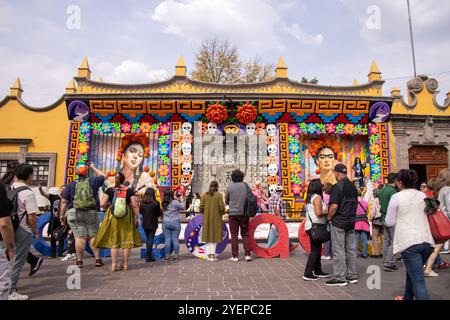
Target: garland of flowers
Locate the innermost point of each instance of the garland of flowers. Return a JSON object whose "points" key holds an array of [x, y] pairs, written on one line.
{"points": [[164, 166], [83, 145], [375, 150]]}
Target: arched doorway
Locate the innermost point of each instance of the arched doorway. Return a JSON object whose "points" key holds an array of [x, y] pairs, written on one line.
{"points": [[427, 161]]}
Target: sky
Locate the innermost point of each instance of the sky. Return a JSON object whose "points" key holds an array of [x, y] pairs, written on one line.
{"points": [[43, 42]]}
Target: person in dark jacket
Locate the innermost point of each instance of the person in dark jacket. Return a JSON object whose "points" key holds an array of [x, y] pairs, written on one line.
{"points": [[150, 210], [342, 214]]}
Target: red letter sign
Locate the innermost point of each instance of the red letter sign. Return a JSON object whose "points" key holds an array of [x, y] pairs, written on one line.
{"points": [[281, 247]]}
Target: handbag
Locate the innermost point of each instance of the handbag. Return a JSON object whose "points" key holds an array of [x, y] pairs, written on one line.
{"points": [[319, 232], [438, 221]]}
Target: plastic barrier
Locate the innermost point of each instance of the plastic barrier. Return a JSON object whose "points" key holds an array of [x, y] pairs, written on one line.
{"points": [[281, 247]]}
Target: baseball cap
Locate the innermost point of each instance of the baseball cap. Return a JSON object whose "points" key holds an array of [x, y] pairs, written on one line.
{"points": [[340, 168]]}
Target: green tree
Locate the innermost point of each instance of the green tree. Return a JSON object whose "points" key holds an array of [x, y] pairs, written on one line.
{"points": [[312, 81]]}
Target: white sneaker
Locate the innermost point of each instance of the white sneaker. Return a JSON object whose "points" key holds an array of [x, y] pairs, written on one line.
{"points": [[17, 296], [67, 257], [74, 257], [248, 258], [325, 258], [234, 259], [431, 274]]}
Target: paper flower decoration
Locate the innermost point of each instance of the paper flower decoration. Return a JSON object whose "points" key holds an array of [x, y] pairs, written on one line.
{"points": [[164, 149], [164, 129], [106, 127], [216, 113], [330, 128], [163, 170], [295, 168], [85, 127], [126, 127], [293, 129], [83, 148], [374, 149], [325, 142], [296, 189], [294, 147], [349, 128], [246, 113]]}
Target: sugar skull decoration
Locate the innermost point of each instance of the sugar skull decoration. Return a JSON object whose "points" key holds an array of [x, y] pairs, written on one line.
{"points": [[273, 189], [186, 168], [271, 130], [186, 148], [272, 169], [212, 128], [272, 149], [186, 128], [250, 128]]}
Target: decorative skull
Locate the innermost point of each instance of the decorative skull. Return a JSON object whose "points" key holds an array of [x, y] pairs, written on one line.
{"points": [[186, 148], [272, 169], [212, 128], [250, 128], [186, 128], [271, 130], [186, 168], [273, 189], [272, 149]]}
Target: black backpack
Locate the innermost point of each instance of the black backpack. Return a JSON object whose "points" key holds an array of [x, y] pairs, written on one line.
{"points": [[12, 195], [251, 203]]}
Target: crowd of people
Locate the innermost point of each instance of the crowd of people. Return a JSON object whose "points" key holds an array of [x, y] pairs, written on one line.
{"points": [[339, 219]]}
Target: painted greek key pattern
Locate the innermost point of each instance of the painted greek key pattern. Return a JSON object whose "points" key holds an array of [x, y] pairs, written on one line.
{"points": [[72, 151], [176, 146], [384, 150], [284, 159]]}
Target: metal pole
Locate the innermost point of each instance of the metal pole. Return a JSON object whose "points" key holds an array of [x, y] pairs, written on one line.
{"points": [[412, 40]]}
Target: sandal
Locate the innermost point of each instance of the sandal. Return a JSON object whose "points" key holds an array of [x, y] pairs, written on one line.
{"points": [[79, 264], [99, 263], [123, 267], [113, 268]]}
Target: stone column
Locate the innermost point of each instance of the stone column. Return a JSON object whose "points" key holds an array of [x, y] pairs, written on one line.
{"points": [[401, 148]]}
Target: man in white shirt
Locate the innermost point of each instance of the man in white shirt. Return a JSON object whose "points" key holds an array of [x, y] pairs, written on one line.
{"points": [[26, 209]]}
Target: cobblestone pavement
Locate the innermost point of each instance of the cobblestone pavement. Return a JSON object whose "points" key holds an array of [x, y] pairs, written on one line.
{"points": [[195, 279]]}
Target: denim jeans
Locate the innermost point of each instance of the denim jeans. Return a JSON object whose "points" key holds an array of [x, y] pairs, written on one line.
{"points": [[363, 236], [327, 248], [150, 234], [171, 231], [414, 258]]}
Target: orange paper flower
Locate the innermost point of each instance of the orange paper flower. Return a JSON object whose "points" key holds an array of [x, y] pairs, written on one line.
{"points": [[271, 140], [260, 128], [217, 113], [246, 113], [186, 138], [272, 160]]}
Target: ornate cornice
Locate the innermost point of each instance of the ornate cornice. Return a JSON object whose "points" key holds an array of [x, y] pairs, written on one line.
{"points": [[32, 108]]}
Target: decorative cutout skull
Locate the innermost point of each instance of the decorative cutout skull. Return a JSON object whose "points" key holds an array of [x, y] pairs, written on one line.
{"points": [[186, 168], [273, 189], [272, 149], [212, 128], [271, 130], [186, 148], [272, 169], [186, 128], [250, 128]]}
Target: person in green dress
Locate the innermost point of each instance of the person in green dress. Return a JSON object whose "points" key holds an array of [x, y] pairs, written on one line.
{"points": [[212, 208], [119, 233]]}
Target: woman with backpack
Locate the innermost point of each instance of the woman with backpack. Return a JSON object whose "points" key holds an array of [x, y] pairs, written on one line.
{"points": [[362, 227], [150, 210], [316, 218], [212, 208], [172, 205], [118, 229]]}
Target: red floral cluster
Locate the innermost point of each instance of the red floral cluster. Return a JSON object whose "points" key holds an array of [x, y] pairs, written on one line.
{"points": [[142, 139], [217, 113], [247, 113], [326, 142]]}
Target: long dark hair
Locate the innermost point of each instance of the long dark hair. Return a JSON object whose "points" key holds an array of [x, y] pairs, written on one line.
{"points": [[168, 197], [315, 187], [213, 188], [8, 177], [149, 196]]}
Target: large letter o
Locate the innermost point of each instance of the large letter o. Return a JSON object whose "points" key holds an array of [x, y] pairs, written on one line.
{"points": [[281, 247]]}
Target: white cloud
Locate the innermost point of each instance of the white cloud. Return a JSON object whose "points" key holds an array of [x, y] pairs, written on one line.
{"points": [[302, 36], [130, 72], [250, 24]]}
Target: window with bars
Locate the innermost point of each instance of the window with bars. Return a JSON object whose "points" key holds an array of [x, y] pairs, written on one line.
{"points": [[40, 171], [3, 167]]}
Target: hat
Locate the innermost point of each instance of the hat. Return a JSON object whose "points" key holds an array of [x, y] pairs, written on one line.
{"points": [[340, 168]]}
